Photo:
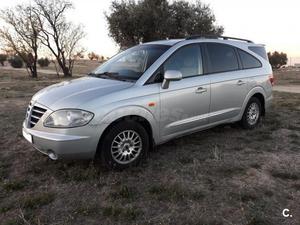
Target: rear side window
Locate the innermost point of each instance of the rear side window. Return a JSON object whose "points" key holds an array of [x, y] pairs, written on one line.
{"points": [[222, 58], [248, 61], [187, 60], [259, 50]]}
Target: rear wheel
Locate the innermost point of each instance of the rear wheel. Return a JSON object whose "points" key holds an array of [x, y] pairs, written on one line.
{"points": [[124, 145], [252, 114]]}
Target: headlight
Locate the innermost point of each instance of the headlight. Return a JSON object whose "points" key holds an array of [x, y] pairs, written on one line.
{"points": [[67, 118]]}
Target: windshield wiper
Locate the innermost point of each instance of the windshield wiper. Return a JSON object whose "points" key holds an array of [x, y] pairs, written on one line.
{"points": [[107, 75]]}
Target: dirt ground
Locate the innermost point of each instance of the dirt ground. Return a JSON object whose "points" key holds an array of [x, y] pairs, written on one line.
{"points": [[225, 175]]}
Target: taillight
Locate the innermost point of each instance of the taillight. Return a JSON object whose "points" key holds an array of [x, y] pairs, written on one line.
{"points": [[272, 79]]}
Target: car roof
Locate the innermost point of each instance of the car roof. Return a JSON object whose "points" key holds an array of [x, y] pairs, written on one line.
{"points": [[229, 40], [164, 42]]}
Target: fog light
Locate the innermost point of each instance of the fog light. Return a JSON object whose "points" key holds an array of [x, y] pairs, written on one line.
{"points": [[52, 155]]}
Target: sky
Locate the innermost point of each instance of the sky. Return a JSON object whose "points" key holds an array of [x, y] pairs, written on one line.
{"points": [[275, 23]]}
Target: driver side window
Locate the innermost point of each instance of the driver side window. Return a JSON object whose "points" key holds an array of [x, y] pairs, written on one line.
{"points": [[187, 60]]}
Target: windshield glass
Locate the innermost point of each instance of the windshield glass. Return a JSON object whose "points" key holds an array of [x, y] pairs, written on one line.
{"points": [[132, 63]]}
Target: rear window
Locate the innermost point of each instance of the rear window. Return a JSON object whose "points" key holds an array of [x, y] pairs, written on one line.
{"points": [[222, 58], [261, 51], [248, 61]]}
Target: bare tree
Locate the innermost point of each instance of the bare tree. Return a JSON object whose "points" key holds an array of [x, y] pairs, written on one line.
{"points": [[20, 35], [57, 34]]}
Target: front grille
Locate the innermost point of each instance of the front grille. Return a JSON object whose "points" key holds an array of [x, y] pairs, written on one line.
{"points": [[33, 114]]}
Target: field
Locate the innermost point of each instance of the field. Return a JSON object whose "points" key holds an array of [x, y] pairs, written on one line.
{"points": [[288, 76], [225, 175]]}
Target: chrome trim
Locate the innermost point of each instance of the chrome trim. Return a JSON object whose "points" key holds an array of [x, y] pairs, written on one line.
{"points": [[30, 109], [35, 110], [201, 117], [35, 116]]}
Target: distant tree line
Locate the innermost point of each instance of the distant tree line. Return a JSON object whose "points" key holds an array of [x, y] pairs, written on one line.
{"points": [[17, 61], [277, 59], [94, 56], [43, 23]]}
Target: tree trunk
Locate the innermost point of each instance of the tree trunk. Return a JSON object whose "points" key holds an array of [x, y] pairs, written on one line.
{"points": [[34, 72], [64, 68], [32, 69], [66, 71], [35, 59]]}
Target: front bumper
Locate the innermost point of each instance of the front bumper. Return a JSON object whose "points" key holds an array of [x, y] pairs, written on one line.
{"points": [[60, 145]]}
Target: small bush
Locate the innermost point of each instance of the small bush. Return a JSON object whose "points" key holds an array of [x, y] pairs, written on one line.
{"points": [[112, 211], [14, 185], [3, 58], [127, 213], [124, 192], [169, 193], [84, 209], [38, 200], [16, 62], [43, 62]]}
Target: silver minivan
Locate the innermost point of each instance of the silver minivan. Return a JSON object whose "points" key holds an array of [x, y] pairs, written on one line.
{"points": [[149, 94]]}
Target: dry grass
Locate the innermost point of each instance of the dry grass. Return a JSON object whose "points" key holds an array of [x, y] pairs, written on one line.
{"points": [[287, 76], [81, 66], [225, 175]]}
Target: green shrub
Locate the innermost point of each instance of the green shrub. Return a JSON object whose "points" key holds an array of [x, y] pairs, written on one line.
{"points": [[43, 62], [16, 62], [3, 58]]}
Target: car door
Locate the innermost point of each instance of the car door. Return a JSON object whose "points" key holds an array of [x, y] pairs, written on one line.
{"points": [[229, 84], [185, 104]]}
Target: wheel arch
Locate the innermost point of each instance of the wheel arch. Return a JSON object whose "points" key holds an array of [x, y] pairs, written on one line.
{"points": [[254, 92], [141, 116], [261, 98]]}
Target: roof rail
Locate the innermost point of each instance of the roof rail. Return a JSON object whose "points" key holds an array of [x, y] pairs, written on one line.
{"points": [[216, 37]]}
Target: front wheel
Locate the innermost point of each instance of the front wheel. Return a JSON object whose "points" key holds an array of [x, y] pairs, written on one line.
{"points": [[124, 145], [252, 114]]}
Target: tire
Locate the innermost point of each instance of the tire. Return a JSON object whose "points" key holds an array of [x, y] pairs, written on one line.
{"points": [[252, 114], [119, 150]]}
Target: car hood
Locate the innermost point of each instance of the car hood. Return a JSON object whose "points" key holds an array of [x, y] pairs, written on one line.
{"points": [[73, 93]]}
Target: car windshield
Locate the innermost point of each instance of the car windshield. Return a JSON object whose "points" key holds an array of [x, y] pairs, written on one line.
{"points": [[131, 63]]}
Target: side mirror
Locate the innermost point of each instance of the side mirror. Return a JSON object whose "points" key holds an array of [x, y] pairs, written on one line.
{"points": [[170, 75]]}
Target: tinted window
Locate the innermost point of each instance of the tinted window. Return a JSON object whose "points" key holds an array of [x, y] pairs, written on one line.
{"points": [[248, 60], [187, 60], [261, 51], [222, 58]]}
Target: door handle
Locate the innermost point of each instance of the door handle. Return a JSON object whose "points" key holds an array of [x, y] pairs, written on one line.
{"points": [[240, 82], [200, 90]]}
